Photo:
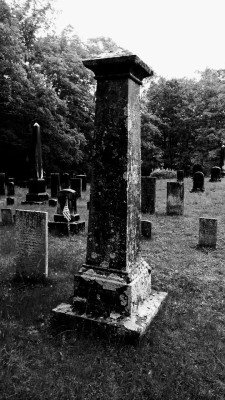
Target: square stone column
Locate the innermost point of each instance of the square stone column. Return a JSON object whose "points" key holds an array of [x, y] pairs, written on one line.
{"points": [[115, 282]]}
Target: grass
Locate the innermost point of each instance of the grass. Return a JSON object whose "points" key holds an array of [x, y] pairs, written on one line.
{"points": [[183, 354]]}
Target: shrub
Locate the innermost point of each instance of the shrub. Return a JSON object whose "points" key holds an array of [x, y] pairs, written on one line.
{"points": [[163, 173]]}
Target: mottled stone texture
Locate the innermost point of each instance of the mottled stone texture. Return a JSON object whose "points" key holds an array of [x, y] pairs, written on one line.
{"points": [[180, 175], [76, 184], [148, 194], [84, 181], [31, 243], [7, 218], [207, 232], [2, 184], [215, 174], [198, 182], [55, 184], [175, 198]]}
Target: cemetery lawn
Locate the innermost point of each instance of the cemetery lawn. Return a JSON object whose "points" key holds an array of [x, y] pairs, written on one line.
{"points": [[183, 353]]}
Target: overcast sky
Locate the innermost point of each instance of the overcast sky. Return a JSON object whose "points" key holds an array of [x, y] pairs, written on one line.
{"points": [[174, 37]]}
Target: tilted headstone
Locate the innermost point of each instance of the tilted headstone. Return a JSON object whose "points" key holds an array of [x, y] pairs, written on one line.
{"points": [[31, 244], [84, 182], [180, 175], [207, 232], [7, 218], [65, 181], [10, 189], [175, 198], [55, 184], [215, 174], [2, 184], [148, 194], [198, 182], [114, 285], [76, 184]]}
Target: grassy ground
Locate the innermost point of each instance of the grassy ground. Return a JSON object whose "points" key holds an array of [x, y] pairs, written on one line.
{"points": [[183, 354]]}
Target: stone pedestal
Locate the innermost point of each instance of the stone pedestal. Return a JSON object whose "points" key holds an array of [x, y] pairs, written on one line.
{"points": [[114, 285], [148, 194], [175, 198], [37, 192]]}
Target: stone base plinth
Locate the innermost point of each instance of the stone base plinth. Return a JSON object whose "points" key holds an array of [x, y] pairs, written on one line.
{"points": [[61, 218], [135, 325], [65, 229], [36, 198]]}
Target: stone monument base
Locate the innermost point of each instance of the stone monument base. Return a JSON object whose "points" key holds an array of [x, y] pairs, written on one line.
{"points": [[65, 228], [36, 198], [135, 325]]}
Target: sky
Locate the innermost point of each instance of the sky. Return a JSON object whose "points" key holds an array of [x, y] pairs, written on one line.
{"points": [[174, 37]]}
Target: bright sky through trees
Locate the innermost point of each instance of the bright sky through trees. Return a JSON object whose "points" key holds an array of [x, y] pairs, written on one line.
{"points": [[175, 37]]}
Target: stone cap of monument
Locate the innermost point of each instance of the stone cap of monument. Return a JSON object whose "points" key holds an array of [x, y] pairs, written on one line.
{"points": [[116, 67]]}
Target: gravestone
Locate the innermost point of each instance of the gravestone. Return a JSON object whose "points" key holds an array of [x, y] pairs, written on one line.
{"points": [[148, 194], [215, 174], [76, 184], [7, 218], [180, 175], [37, 187], [71, 224], [146, 229], [55, 184], [31, 244], [222, 160], [207, 232], [113, 287], [10, 201], [84, 182], [65, 181], [197, 168], [2, 184], [198, 182], [175, 198], [10, 189]]}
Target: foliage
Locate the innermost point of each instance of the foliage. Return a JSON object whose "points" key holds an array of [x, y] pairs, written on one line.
{"points": [[161, 173]]}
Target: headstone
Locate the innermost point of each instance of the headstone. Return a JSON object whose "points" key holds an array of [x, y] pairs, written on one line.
{"points": [[148, 194], [10, 201], [76, 184], [222, 160], [37, 187], [114, 285], [7, 218], [146, 229], [55, 184], [207, 232], [180, 175], [198, 182], [215, 174], [63, 196], [10, 189], [2, 184], [65, 181], [52, 202], [31, 244], [175, 198], [84, 182], [197, 168]]}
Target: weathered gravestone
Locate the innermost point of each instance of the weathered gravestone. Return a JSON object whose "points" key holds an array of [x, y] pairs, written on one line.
{"points": [[207, 232], [65, 180], [2, 184], [180, 175], [113, 287], [31, 244], [84, 181], [197, 168], [146, 229], [175, 198], [55, 184], [10, 201], [10, 189], [7, 218], [198, 182], [148, 194], [222, 160], [76, 184], [66, 221], [37, 187], [215, 174]]}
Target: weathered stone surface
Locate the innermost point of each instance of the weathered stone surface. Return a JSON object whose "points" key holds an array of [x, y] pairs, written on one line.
{"points": [[175, 198], [84, 182], [215, 174], [207, 232], [180, 175], [198, 182], [2, 184], [7, 218], [31, 243], [55, 184], [148, 194], [76, 184], [146, 229]]}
